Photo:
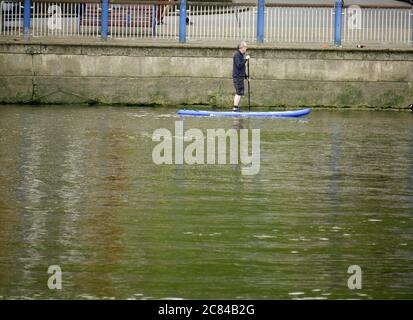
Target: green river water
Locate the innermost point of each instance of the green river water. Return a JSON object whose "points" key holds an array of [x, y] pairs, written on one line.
{"points": [[79, 189]]}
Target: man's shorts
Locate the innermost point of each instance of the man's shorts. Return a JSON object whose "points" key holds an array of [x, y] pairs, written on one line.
{"points": [[239, 86]]}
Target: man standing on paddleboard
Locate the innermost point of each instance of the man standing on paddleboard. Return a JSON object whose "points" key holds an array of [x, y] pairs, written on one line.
{"points": [[238, 73]]}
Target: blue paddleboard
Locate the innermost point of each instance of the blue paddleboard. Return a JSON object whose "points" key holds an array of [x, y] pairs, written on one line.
{"points": [[278, 114]]}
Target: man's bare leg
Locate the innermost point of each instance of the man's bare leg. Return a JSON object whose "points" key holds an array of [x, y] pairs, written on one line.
{"points": [[237, 99]]}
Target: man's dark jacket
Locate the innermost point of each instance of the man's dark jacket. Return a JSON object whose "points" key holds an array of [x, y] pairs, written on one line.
{"points": [[238, 70]]}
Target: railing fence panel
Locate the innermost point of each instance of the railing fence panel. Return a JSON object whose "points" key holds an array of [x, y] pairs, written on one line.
{"points": [[11, 18], [221, 23], [208, 22], [364, 25], [299, 24]]}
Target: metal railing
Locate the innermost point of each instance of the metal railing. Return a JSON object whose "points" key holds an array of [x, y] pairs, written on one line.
{"points": [[11, 18], [84, 18], [206, 21], [363, 25], [299, 24], [65, 19], [221, 22], [143, 20]]}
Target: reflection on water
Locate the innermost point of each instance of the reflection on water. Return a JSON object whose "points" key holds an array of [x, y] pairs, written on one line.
{"points": [[78, 189]]}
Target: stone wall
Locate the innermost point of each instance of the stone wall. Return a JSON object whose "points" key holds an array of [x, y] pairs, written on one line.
{"points": [[174, 74]]}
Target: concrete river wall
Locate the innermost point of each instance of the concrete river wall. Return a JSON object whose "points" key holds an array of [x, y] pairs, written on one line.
{"points": [[195, 74]]}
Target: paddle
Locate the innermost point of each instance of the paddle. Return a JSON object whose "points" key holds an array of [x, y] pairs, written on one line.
{"points": [[248, 78]]}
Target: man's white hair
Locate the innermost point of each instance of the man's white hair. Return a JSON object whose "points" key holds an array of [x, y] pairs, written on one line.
{"points": [[243, 44]]}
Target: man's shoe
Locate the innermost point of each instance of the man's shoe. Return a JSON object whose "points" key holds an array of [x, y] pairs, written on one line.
{"points": [[235, 109]]}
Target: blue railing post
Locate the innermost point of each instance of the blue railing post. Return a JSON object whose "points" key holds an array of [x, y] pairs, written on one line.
{"points": [[154, 21], [260, 21], [338, 22], [182, 21], [105, 15], [26, 19]]}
